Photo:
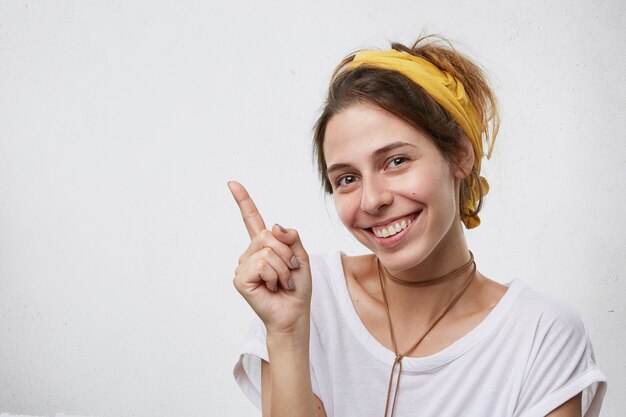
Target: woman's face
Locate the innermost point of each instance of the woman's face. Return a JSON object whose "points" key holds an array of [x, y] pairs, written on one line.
{"points": [[393, 189]]}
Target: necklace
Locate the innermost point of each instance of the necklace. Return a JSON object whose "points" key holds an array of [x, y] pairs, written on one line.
{"points": [[400, 356], [447, 277]]}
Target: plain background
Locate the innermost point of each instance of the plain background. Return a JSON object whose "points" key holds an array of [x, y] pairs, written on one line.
{"points": [[121, 122]]}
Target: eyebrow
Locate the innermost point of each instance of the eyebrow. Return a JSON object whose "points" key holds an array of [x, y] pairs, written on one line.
{"points": [[375, 154]]}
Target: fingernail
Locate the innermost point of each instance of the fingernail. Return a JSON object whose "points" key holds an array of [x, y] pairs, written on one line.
{"points": [[282, 229], [292, 285], [295, 263]]}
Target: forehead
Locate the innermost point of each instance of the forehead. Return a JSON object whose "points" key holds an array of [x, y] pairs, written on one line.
{"points": [[360, 130]]}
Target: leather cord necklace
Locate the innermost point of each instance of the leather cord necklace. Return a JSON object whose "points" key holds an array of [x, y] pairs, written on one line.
{"points": [[400, 356], [439, 280]]}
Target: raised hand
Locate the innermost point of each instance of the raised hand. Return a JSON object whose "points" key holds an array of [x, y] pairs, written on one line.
{"points": [[273, 274]]}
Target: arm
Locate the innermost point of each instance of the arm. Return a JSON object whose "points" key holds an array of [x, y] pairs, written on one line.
{"points": [[288, 396], [570, 408], [266, 391], [274, 277]]}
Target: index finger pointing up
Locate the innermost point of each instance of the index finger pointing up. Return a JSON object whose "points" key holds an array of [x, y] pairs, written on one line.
{"points": [[250, 214]]}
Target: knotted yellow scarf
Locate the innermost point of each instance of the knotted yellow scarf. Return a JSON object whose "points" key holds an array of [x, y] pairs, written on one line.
{"points": [[451, 95]]}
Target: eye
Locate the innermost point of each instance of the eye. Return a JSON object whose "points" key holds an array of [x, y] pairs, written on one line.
{"points": [[345, 180], [397, 160]]}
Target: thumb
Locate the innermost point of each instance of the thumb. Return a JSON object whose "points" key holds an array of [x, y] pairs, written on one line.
{"points": [[291, 238]]}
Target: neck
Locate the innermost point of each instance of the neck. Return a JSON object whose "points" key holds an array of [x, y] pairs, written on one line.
{"points": [[424, 301], [384, 275], [451, 253]]}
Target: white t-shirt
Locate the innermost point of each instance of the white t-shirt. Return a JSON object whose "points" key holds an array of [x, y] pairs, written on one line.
{"points": [[528, 356]]}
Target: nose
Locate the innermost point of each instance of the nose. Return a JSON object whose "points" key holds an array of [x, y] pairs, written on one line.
{"points": [[375, 195]]}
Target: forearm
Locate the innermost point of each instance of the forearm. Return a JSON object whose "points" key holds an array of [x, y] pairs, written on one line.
{"points": [[291, 391]]}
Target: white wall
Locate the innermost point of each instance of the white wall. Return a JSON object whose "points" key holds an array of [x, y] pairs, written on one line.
{"points": [[121, 121]]}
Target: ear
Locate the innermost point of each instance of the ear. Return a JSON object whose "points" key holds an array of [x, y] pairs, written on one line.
{"points": [[464, 158]]}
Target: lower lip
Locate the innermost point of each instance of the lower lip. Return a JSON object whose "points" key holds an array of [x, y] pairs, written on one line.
{"points": [[387, 242]]}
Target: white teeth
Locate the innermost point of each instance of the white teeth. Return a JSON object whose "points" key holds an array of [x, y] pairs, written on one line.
{"points": [[392, 230]]}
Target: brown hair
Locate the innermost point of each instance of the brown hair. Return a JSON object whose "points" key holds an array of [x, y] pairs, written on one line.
{"points": [[400, 96]]}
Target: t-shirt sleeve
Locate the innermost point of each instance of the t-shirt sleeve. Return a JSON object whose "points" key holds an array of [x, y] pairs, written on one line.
{"points": [[247, 371], [560, 366]]}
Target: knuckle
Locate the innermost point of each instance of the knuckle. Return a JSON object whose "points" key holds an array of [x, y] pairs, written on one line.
{"points": [[255, 242], [236, 282], [266, 270], [252, 215], [260, 265], [275, 275]]}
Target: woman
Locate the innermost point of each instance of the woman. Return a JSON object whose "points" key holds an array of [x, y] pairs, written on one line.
{"points": [[413, 328]]}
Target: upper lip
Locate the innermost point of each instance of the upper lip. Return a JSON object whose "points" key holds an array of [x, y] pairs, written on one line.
{"points": [[393, 219]]}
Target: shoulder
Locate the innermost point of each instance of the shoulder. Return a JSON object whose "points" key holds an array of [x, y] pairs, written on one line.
{"points": [[334, 282], [327, 274], [551, 341], [352, 273], [547, 327], [337, 263], [325, 265], [547, 310]]}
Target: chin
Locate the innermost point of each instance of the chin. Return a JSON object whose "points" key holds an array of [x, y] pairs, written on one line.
{"points": [[407, 256], [399, 261], [396, 258]]}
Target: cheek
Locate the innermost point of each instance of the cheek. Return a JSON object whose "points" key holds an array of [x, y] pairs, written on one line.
{"points": [[429, 187], [445, 193], [346, 209]]}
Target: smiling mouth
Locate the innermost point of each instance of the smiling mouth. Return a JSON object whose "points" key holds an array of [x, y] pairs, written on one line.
{"points": [[395, 227]]}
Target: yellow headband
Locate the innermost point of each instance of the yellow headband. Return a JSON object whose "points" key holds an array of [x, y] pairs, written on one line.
{"points": [[450, 94]]}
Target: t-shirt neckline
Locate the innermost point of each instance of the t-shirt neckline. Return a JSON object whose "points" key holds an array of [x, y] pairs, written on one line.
{"points": [[448, 354]]}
